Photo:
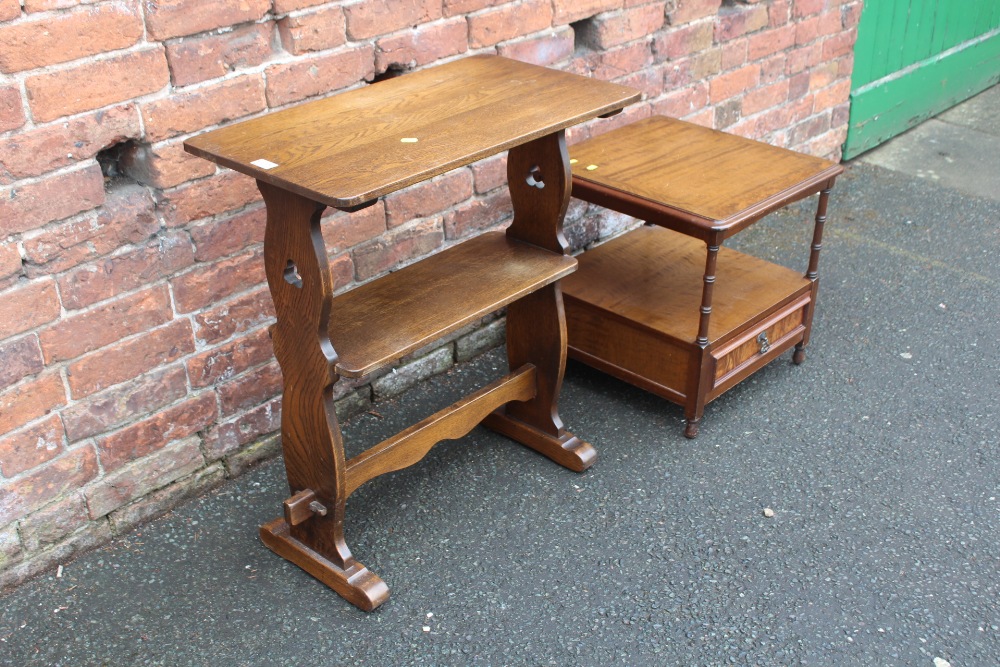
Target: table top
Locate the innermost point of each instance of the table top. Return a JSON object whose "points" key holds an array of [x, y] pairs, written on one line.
{"points": [[719, 179], [351, 148]]}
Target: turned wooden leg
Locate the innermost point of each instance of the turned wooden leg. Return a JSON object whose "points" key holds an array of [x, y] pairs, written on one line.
{"points": [[538, 174], [812, 273], [311, 532], [701, 372]]}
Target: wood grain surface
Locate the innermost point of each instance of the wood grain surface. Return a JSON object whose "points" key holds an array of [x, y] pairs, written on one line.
{"points": [[348, 149], [720, 178]]}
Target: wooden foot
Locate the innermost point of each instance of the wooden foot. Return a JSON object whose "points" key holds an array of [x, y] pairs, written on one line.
{"points": [[799, 355], [691, 430], [356, 584], [568, 450]]}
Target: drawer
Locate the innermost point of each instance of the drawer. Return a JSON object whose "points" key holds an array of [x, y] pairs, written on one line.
{"points": [[749, 351]]}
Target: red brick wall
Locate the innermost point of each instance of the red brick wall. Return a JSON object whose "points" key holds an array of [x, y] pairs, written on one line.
{"points": [[135, 367]]}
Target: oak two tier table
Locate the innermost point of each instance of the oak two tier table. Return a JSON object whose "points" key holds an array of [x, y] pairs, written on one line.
{"points": [[346, 152], [665, 306]]}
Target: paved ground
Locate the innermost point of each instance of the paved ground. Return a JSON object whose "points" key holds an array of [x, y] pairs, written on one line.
{"points": [[879, 457]]}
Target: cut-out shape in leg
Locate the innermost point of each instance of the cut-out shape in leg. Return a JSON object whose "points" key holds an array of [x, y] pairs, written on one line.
{"points": [[310, 435], [536, 324]]}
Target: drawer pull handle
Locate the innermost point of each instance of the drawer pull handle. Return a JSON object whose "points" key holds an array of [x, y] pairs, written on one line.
{"points": [[765, 344]]}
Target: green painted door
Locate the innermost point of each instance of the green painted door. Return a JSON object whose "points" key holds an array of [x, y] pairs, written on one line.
{"points": [[914, 59]]}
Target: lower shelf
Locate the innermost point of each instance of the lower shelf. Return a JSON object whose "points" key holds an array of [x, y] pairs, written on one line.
{"points": [[376, 324], [633, 308]]}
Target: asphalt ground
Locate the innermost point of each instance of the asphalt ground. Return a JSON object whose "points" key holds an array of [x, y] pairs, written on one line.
{"points": [[878, 457]]}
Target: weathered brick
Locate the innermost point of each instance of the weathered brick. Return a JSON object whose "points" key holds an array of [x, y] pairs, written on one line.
{"points": [[307, 77], [734, 54], [28, 306], [408, 375], [87, 537], [477, 215], [370, 18], [850, 14], [683, 40], [397, 247], [238, 315], [10, 541], [490, 174], [228, 437], [680, 103], [207, 284], [217, 238], [35, 6], [70, 471], [27, 207], [733, 83], [211, 56], [836, 94], [144, 476], [127, 217], [648, 79], [227, 361], [569, 11], [808, 129], [10, 260], [839, 45], [251, 388], [705, 117], [727, 113], [59, 38], [124, 402], [544, 49], [771, 41], [285, 6], [822, 76], [20, 358], [810, 29], [807, 7], [78, 334], [699, 67], [779, 12], [804, 58], [162, 500], [342, 270], [737, 21], [54, 522], [143, 438], [30, 400], [160, 257], [765, 97], [481, 340], [773, 69], [428, 198], [31, 446], [216, 104], [342, 230], [615, 63], [11, 108], [164, 165], [462, 7], [94, 84], [508, 22], [686, 11], [223, 192], [9, 9], [826, 145], [50, 147], [422, 45], [129, 359], [177, 18], [322, 29]]}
